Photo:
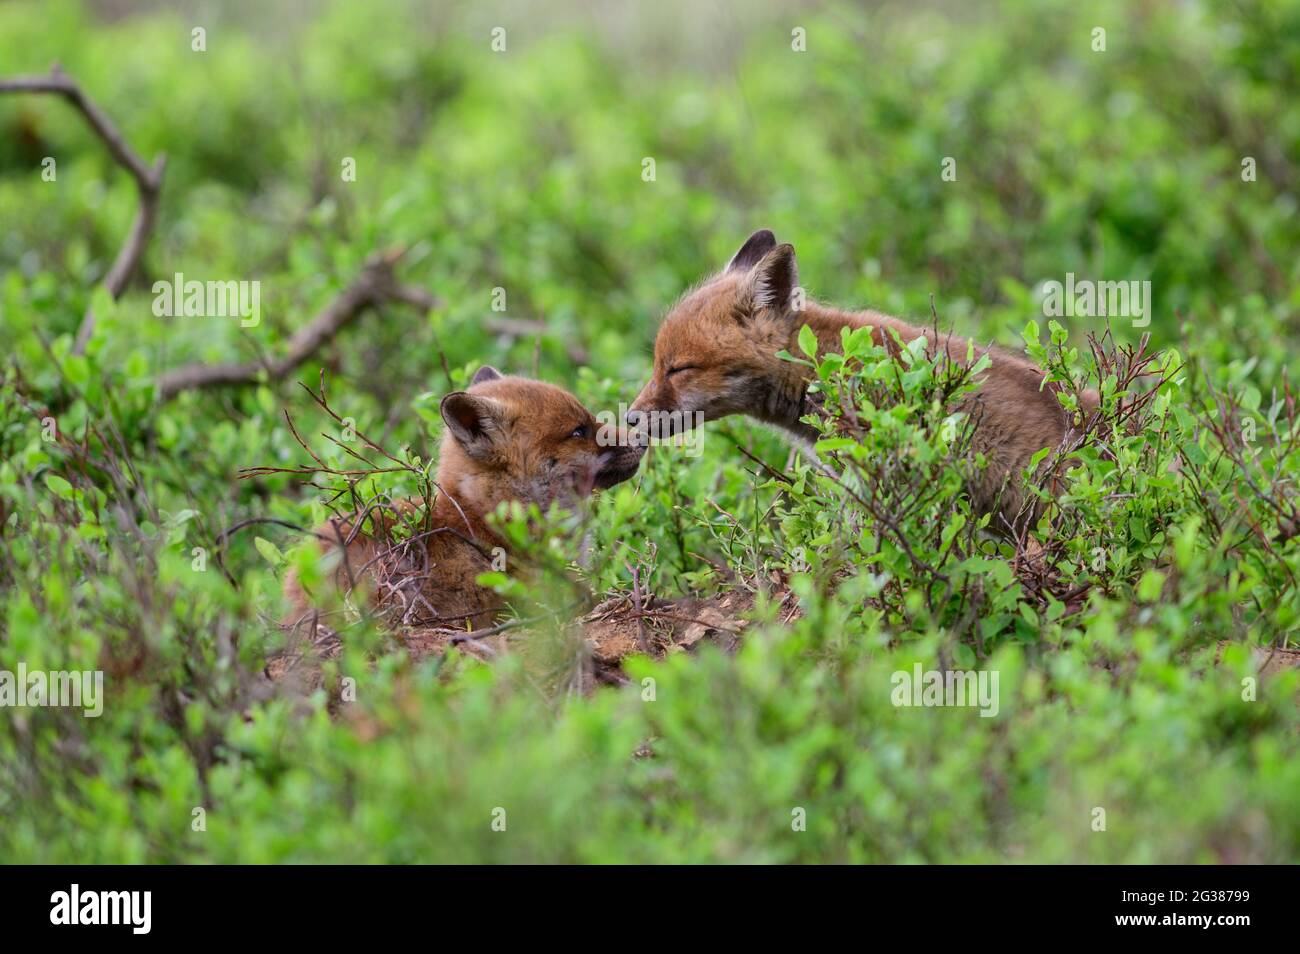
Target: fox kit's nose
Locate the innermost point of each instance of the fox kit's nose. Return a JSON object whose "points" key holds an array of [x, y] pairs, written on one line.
{"points": [[637, 433]]}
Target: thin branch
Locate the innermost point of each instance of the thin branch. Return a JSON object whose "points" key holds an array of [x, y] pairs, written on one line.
{"points": [[148, 181], [372, 287]]}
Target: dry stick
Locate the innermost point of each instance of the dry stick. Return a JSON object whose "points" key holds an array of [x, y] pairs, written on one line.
{"points": [[477, 634], [661, 614], [640, 613], [768, 468], [148, 181], [374, 285]]}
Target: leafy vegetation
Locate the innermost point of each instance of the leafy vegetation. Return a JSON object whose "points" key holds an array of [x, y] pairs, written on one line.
{"points": [[1128, 642]]}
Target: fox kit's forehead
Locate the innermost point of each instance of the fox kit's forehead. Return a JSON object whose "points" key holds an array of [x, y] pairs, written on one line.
{"points": [[698, 317], [532, 400], [717, 293]]}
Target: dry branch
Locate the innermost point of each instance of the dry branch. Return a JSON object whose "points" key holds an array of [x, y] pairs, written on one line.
{"points": [[374, 285], [148, 180]]}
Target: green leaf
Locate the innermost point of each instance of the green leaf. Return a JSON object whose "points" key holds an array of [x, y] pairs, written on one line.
{"points": [[270, 552], [1150, 586], [59, 486], [808, 341], [77, 368]]}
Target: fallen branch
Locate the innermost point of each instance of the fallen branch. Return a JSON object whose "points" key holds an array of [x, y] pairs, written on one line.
{"points": [[374, 285], [148, 181]]}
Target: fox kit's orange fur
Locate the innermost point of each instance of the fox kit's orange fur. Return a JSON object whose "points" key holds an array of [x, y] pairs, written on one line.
{"points": [[506, 439], [716, 354]]}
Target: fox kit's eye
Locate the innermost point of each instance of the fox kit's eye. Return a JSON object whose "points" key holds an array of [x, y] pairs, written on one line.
{"points": [[580, 432], [679, 368]]}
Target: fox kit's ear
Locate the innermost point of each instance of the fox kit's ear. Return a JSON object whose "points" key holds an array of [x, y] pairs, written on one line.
{"points": [[485, 373], [475, 422], [755, 247], [775, 279]]}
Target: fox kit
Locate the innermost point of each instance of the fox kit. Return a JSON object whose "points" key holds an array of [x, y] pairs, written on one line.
{"points": [[716, 354], [506, 439]]}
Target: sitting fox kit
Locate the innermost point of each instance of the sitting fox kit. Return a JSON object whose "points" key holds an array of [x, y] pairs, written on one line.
{"points": [[506, 439], [716, 354]]}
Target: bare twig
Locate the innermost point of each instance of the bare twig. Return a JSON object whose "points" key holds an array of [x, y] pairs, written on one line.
{"points": [[477, 634], [374, 285], [767, 468], [148, 181], [640, 611]]}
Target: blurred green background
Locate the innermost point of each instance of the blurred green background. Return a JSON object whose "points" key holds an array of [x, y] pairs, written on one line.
{"points": [[522, 169]]}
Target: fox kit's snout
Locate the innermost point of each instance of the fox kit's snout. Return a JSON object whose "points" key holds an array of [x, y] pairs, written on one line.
{"points": [[506, 439], [716, 354]]}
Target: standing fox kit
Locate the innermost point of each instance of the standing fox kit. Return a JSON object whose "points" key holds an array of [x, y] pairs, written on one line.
{"points": [[506, 439], [716, 354]]}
